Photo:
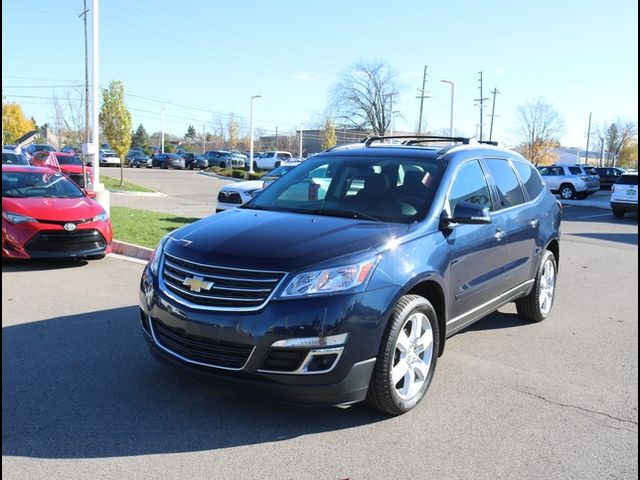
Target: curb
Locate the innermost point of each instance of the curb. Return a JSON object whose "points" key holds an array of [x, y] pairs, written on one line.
{"points": [[139, 194], [220, 177], [131, 250], [583, 203]]}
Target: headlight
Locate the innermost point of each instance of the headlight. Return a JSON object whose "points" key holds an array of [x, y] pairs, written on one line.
{"points": [[156, 255], [330, 280], [103, 217], [16, 218]]}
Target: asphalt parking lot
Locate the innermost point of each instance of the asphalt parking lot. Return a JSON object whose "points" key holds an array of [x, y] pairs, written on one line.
{"points": [[82, 397]]}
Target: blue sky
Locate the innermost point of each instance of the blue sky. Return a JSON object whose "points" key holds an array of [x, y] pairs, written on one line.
{"points": [[201, 60]]}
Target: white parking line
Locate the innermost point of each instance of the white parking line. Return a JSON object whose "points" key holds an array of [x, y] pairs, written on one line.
{"points": [[594, 216]]}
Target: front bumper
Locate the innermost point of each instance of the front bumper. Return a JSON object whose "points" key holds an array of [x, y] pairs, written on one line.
{"points": [[361, 315]]}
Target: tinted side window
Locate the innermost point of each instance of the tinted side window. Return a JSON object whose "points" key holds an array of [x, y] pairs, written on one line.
{"points": [[530, 179], [507, 184], [470, 186], [628, 180], [575, 171]]}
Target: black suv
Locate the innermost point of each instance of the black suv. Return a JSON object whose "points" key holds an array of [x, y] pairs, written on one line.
{"points": [[341, 281]]}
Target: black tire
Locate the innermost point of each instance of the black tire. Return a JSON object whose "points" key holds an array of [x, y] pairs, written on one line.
{"points": [[96, 257], [382, 394], [223, 165], [277, 164], [618, 213], [567, 192], [582, 196], [255, 166], [529, 307]]}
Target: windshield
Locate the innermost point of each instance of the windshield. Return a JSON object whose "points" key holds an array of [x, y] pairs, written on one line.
{"points": [[373, 188], [278, 172], [38, 184], [65, 160], [14, 158], [591, 170]]}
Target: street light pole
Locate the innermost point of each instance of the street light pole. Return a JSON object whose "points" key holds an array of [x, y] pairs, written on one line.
{"points": [[300, 147], [251, 134], [162, 134], [453, 89]]}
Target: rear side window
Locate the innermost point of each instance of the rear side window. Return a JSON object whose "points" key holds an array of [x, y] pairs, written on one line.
{"points": [[575, 171], [628, 180], [530, 179], [509, 190]]}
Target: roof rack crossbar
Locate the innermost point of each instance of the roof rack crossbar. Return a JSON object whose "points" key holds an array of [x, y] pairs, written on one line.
{"points": [[415, 139]]}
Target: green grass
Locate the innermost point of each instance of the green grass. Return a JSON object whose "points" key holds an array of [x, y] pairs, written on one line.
{"points": [[143, 227], [111, 183]]}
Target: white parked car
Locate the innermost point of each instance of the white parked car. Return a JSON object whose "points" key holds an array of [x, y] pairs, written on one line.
{"points": [[624, 194], [109, 158], [237, 194], [269, 160]]}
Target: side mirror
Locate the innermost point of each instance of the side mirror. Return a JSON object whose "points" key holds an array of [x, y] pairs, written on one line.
{"points": [[91, 194], [468, 214]]}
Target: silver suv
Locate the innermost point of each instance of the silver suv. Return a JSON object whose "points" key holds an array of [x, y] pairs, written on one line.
{"points": [[571, 181]]}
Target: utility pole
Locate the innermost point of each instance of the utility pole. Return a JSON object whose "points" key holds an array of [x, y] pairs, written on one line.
{"points": [[602, 151], [300, 150], [495, 91], [586, 154], [204, 140], [390, 95], [422, 96], [87, 138], [276, 141], [481, 101]]}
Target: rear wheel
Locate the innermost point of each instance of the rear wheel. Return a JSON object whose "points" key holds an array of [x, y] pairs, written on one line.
{"points": [[536, 306], [567, 192], [407, 357], [618, 213]]}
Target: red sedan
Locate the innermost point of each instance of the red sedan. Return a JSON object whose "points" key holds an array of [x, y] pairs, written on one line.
{"points": [[46, 215], [68, 163]]}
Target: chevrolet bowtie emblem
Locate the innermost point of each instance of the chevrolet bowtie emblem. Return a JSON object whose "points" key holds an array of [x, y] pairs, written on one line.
{"points": [[197, 284]]}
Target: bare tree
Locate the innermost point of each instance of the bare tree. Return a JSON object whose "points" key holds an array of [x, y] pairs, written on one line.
{"points": [[69, 118], [363, 96], [616, 135], [539, 128]]}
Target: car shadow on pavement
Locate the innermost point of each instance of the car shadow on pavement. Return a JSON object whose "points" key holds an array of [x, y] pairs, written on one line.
{"points": [[86, 386], [628, 238], [496, 321], [29, 265]]}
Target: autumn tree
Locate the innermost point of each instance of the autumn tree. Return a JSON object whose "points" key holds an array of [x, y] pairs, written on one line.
{"points": [[616, 136], [539, 127], [115, 121], [363, 95], [330, 139], [233, 132], [140, 137], [14, 123]]}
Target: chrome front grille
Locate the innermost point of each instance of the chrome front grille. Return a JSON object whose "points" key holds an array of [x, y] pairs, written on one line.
{"points": [[216, 287]]}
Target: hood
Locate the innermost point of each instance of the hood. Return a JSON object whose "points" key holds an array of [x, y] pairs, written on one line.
{"points": [[281, 241], [53, 209], [244, 186]]}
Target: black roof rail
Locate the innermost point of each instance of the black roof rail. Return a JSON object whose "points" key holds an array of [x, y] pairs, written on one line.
{"points": [[489, 142], [415, 139]]}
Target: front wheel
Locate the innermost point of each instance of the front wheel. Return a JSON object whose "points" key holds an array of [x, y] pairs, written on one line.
{"points": [[536, 306], [407, 357], [618, 213]]}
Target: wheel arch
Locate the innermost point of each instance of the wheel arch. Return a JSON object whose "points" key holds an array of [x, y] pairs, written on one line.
{"points": [[554, 247]]}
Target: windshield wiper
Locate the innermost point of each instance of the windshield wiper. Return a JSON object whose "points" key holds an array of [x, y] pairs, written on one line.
{"points": [[344, 214]]}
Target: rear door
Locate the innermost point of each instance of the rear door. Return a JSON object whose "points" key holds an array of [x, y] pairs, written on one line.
{"points": [[520, 215]]}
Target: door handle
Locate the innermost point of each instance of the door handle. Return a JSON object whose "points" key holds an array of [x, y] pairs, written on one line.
{"points": [[534, 222], [499, 235]]}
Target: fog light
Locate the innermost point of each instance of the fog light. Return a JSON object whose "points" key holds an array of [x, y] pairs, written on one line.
{"points": [[312, 342], [321, 363]]}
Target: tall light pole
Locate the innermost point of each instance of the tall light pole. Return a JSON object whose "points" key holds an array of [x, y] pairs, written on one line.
{"points": [[251, 134], [300, 147], [162, 134], [453, 90]]}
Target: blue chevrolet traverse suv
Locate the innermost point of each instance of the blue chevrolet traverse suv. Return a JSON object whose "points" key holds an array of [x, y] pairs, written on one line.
{"points": [[341, 281]]}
